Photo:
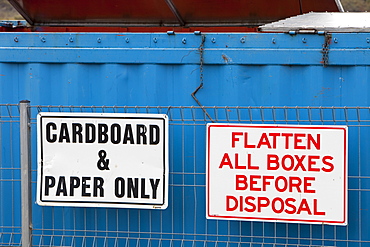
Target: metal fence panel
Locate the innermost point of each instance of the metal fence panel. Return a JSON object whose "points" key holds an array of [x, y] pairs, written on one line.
{"points": [[10, 176], [184, 222]]}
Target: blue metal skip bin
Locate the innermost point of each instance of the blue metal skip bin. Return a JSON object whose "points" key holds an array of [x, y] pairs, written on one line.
{"points": [[290, 76], [236, 69]]}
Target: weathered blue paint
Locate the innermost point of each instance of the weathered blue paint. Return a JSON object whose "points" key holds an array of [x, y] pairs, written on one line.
{"points": [[160, 69], [155, 69]]}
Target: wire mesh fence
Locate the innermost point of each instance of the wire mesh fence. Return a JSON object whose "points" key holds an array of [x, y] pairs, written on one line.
{"points": [[10, 179], [184, 222]]}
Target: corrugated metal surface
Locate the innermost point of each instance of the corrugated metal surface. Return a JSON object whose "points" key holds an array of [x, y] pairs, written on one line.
{"points": [[162, 71], [166, 12]]}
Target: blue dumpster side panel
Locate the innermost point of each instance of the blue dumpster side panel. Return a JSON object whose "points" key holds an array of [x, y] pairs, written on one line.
{"points": [[160, 69], [153, 84], [236, 70]]}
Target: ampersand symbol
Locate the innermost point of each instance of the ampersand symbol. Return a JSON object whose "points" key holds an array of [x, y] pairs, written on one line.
{"points": [[102, 162]]}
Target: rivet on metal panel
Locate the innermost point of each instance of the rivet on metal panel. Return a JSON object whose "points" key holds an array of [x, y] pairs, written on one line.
{"points": [[184, 40], [213, 40], [368, 40], [43, 40], [98, 40], [155, 40], [127, 40], [273, 40], [335, 40], [16, 39], [170, 32], [197, 32], [242, 39], [304, 40], [71, 39]]}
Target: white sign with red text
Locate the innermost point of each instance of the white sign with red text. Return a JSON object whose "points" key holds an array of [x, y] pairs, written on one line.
{"points": [[280, 173]]}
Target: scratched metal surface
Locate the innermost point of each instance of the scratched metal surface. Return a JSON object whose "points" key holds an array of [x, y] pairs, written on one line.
{"points": [[254, 69], [247, 78]]}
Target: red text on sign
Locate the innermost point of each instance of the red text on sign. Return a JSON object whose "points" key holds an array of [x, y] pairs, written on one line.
{"points": [[274, 140], [300, 162], [278, 205], [226, 161], [280, 183]]}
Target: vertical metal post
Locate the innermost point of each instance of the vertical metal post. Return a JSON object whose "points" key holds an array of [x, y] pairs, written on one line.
{"points": [[25, 141]]}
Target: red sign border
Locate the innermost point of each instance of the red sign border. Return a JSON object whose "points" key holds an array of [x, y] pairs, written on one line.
{"points": [[344, 221]]}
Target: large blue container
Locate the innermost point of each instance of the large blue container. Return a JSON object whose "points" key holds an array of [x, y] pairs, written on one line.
{"points": [[319, 78]]}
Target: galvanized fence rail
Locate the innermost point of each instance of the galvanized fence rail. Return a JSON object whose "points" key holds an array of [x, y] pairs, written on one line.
{"points": [[184, 222]]}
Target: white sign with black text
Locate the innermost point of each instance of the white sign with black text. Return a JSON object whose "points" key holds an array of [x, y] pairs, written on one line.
{"points": [[279, 173], [102, 160]]}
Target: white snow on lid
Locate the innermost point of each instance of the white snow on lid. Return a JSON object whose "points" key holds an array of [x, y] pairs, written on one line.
{"points": [[342, 22]]}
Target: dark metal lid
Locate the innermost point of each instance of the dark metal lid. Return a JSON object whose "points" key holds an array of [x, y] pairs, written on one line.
{"points": [[165, 12]]}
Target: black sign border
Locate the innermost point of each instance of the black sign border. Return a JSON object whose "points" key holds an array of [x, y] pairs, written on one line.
{"points": [[165, 150]]}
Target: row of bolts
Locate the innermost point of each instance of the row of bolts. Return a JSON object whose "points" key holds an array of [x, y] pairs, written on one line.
{"points": [[213, 40]]}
